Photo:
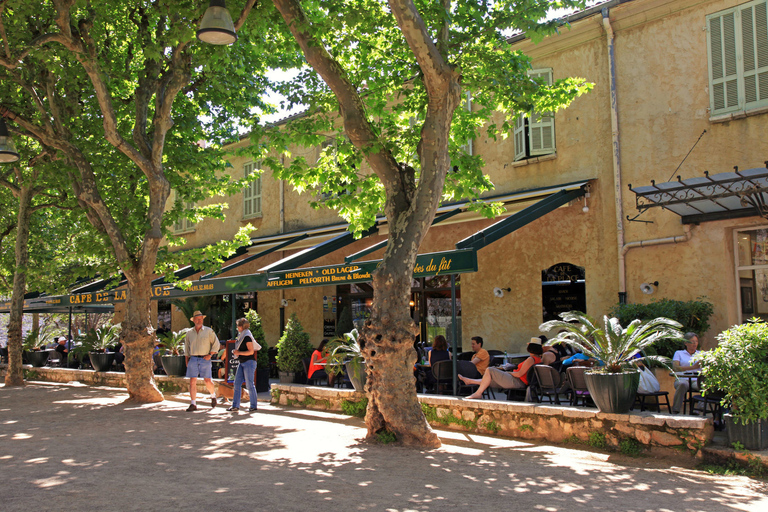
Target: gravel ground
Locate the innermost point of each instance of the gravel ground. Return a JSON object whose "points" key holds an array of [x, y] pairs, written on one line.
{"points": [[73, 447]]}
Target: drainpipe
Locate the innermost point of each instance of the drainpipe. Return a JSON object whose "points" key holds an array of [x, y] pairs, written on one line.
{"points": [[616, 146], [659, 241]]}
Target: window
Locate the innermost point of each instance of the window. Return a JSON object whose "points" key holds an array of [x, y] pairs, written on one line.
{"points": [[534, 133], [251, 193], [737, 44], [185, 225]]}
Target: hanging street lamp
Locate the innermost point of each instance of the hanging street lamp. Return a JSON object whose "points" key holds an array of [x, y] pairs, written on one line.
{"points": [[216, 26], [8, 153]]}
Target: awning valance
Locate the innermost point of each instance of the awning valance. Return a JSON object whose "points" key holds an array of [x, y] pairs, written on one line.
{"points": [[719, 196]]}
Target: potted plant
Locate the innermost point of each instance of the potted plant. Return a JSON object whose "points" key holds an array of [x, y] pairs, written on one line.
{"points": [[346, 351], [97, 343], [738, 367], [613, 385], [173, 360], [34, 344], [262, 356], [293, 346]]}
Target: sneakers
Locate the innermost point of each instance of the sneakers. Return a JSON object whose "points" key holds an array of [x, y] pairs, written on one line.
{"points": [[252, 409], [213, 401], [192, 407], [233, 409]]}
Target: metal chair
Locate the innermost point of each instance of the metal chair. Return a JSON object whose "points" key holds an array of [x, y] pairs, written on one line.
{"points": [[442, 371], [642, 397], [575, 375], [319, 378], [550, 383], [468, 369], [711, 403]]}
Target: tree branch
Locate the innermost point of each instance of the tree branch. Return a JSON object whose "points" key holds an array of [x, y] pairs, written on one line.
{"points": [[243, 15]]}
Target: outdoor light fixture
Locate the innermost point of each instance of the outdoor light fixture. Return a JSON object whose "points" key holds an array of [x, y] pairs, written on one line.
{"points": [[8, 152], [216, 26], [648, 288], [499, 292]]}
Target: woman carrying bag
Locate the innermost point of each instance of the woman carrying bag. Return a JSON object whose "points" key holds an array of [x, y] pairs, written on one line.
{"points": [[245, 351]]}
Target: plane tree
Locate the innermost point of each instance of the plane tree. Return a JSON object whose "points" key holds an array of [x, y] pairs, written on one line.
{"points": [[125, 96], [386, 89]]}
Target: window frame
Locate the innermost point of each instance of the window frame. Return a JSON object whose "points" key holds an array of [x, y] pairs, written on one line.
{"points": [[528, 124], [184, 225], [252, 193]]}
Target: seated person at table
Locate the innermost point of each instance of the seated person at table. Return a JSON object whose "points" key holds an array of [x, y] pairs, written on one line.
{"points": [[439, 350], [482, 358], [682, 361], [318, 359], [63, 351], [498, 378]]}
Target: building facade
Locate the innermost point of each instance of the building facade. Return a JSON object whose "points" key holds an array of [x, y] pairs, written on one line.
{"points": [[680, 89]]}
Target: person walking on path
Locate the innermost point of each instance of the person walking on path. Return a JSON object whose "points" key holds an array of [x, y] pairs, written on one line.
{"points": [[200, 344], [245, 350]]}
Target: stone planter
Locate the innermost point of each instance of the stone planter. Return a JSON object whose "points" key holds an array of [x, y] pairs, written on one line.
{"points": [[37, 358], [613, 392], [754, 436], [356, 374], [101, 361], [175, 365]]}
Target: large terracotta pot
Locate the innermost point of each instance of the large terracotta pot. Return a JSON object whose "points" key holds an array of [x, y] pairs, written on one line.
{"points": [[613, 392]]}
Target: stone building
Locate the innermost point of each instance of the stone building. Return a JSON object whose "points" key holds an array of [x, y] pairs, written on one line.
{"points": [[680, 89]]}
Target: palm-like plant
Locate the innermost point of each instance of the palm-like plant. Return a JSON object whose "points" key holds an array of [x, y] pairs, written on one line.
{"points": [[344, 350], [37, 338], [173, 342], [611, 343]]}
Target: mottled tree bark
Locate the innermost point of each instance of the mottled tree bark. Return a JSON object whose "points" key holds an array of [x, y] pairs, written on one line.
{"points": [[15, 375], [410, 208]]}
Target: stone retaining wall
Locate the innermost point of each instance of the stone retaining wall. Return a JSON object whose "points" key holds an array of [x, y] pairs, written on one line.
{"points": [[535, 422], [165, 383]]}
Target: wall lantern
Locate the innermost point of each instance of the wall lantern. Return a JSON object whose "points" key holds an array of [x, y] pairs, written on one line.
{"points": [[8, 153], [216, 26], [649, 288]]}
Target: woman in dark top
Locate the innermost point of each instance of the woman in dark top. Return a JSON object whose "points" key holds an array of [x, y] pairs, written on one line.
{"points": [[245, 351], [439, 350]]}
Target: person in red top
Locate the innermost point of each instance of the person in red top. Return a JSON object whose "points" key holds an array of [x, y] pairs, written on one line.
{"points": [[317, 358], [515, 379]]}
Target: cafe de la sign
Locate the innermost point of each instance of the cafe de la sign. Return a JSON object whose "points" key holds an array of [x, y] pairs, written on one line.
{"points": [[648, 187]]}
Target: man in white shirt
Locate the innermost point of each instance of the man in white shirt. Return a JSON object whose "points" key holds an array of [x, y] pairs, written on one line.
{"points": [[200, 345], [685, 360]]}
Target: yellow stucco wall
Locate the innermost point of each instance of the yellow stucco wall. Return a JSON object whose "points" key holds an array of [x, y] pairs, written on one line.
{"points": [[663, 101]]}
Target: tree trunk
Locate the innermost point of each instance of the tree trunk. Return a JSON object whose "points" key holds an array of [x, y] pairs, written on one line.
{"points": [[15, 375], [138, 337]]}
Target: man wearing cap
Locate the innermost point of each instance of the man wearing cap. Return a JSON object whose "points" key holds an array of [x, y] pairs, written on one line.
{"points": [[200, 344], [63, 351]]}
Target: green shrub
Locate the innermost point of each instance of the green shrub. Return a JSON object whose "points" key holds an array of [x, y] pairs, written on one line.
{"points": [[597, 440], [293, 347], [693, 315], [386, 437], [739, 368], [355, 408], [630, 447], [262, 356]]}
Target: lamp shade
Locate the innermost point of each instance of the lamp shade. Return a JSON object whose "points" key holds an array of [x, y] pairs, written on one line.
{"points": [[216, 26], [8, 153]]}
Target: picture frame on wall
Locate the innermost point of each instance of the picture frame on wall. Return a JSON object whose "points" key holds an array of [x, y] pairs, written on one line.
{"points": [[747, 301], [761, 291]]}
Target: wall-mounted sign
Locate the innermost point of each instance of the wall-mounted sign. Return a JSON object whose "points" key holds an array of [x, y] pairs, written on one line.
{"points": [[562, 289]]}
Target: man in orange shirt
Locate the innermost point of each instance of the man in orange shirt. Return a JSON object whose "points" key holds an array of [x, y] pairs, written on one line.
{"points": [[481, 358]]}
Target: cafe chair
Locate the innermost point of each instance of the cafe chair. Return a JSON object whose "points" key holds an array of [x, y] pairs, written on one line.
{"points": [[319, 378], [711, 403], [550, 384], [575, 375], [657, 395], [468, 369]]}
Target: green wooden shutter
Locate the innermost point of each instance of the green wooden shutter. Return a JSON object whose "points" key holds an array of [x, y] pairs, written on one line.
{"points": [[257, 196], [723, 91], [754, 36], [541, 125]]}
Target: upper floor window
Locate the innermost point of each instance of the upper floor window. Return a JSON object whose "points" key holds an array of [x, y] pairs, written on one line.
{"points": [[251, 193], [737, 44], [534, 133], [185, 225]]}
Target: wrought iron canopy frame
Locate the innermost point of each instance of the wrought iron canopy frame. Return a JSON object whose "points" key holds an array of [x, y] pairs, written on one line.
{"points": [[735, 192]]}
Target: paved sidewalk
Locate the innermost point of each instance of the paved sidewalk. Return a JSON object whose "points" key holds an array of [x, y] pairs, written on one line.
{"points": [[65, 447]]}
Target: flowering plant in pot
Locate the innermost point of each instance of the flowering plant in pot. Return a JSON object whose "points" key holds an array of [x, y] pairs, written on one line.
{"points": [[613, 385], [738, 368]]}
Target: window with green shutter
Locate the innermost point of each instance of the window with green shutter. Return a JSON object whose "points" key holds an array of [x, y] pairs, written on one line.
{"points": [[737, 47], [251, 193], [534, 132]]}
